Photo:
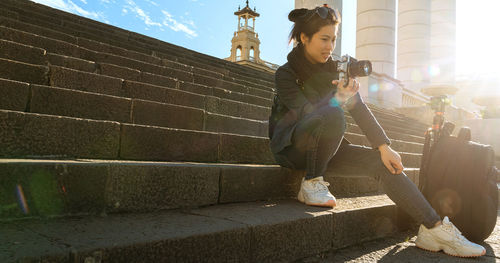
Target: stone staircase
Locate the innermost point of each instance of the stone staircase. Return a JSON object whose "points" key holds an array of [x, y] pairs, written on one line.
{"points": [[117, 147]]}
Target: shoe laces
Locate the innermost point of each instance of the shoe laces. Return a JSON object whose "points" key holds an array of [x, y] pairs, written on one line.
{"points": [[320, 186], [453, 230]]}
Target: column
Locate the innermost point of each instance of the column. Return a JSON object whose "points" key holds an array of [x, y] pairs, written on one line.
{"points": [[375, 34], [413, 49]]}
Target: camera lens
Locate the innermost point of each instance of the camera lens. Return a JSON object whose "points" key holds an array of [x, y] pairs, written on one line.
{"points": [[360, 68]]}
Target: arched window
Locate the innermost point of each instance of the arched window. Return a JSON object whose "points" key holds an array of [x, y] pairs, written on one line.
{"points": [[252, 52], [238, 53]]}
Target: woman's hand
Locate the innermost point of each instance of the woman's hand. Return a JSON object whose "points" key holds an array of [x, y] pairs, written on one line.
{"points": [[344, 93], [391, 159]]}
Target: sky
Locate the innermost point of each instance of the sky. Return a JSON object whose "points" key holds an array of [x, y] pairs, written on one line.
{"points": [[207, 26]]}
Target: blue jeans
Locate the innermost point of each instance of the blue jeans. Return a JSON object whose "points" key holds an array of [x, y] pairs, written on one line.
{"points": [[316, 144]]}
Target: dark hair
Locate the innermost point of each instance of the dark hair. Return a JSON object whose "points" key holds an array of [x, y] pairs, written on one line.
{"points": [[308, 22]]}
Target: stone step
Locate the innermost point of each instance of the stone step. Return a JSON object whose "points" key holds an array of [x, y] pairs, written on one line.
{"points": [[91, 82], [387, 119], [82, 138], [397, 127], [93, 187], [191, 76], [91, 43], [73, 103], [48, 100], [157, 79], [84, 81], [245, 232]]}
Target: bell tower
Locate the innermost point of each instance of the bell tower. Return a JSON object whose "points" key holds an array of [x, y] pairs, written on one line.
{"points": [[245, 42]]}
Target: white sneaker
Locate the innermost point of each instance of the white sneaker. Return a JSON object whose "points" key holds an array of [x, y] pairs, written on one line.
{"points": [[315, 192], [448, 238]]}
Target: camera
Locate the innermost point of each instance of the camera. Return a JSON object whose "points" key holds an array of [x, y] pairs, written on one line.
{"points": [[349, 67]]}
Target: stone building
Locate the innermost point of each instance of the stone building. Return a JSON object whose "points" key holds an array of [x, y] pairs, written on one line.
{"points": [[245, 43]]}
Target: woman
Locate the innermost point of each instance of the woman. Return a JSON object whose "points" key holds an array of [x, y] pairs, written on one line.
{"points": [[307, 131]]}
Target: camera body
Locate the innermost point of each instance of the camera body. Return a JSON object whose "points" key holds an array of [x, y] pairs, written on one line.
{"points": [[349, 67]]}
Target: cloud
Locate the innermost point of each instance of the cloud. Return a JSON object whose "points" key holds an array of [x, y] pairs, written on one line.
{"points": [[69, 6], [152, 2], [134, 8], [170, 22]]}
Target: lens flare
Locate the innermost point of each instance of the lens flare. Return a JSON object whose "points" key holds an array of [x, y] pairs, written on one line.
{"points": [[434, 70], [374, 88], [21, 199], [333, 102]]}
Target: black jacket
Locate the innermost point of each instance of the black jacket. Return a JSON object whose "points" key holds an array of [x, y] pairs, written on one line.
{"points": [[302, 99]]}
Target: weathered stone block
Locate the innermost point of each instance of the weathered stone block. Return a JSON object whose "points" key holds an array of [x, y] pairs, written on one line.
{"points": [[228, 124], [72, 103], [25, 135], [22, 53], [261, 93], [14, 95], [129, 63], [162, 144], [138, 90], [50, 45], [184, 98], [52, 188], [84, 81], [24, 72], [253, 183], [213, 82], [244, 149], [71, 62], [195, 88], [158, 80], [358, 225], [177, 74], [167, 115], [119, 72], [282, 231], [153, 187]]}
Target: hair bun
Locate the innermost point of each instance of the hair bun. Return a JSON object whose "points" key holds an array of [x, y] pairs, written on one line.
{"points": [[296, 14]]}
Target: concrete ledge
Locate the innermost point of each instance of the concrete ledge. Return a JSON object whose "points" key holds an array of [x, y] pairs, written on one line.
{"points": [[167, 115], [72, 103], [15, 95], [84, 81], [24, 72], [29, 134]]}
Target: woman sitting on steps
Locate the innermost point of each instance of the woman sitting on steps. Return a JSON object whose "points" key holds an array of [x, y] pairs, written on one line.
{"points": [[309, 136]]}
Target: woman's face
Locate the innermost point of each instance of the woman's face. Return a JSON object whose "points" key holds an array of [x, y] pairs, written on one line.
{"points": [[321, 45]]}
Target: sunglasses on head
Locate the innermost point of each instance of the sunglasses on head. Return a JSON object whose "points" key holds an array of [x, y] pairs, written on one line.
{"points": [[323, 11]]}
